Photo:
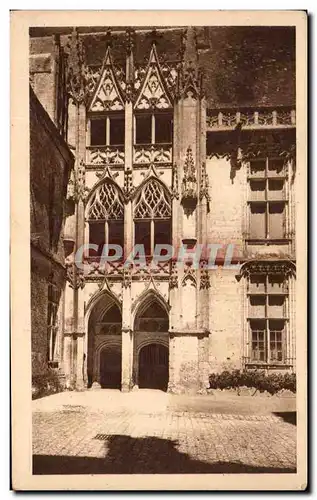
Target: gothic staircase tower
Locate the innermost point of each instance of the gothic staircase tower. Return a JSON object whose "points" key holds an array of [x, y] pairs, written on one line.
{"points": [[189, 288]]}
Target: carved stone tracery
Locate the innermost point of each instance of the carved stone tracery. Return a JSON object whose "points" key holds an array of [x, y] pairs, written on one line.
{"points": [[106, 203], [189, 183], [152, 202]]}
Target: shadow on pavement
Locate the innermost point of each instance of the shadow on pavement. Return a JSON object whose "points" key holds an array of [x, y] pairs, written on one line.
{"points": [[150, 455], [287, 416]]}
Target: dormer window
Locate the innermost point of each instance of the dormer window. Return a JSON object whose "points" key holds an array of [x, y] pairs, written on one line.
{"points": [[153, 128], [107, 130]]}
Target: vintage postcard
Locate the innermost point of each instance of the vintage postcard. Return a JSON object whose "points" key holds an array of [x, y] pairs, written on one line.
{"points": [[159, 250]]}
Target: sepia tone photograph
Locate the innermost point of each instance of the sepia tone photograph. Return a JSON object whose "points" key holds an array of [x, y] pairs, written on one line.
{"points": [[165, 204]]}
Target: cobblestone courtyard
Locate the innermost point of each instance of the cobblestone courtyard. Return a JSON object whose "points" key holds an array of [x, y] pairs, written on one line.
{"points": [[107, 432]]}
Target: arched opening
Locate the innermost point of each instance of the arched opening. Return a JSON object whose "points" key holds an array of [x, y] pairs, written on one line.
{"points": [[153, 367], [151, 345], [104, 344]]}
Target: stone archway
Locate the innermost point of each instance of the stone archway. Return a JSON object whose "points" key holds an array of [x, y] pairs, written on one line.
{"points": [[151, 345], [104, 344]]}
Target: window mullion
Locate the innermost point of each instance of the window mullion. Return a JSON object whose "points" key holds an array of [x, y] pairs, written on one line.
{"points": [[152, 236], [267, 229], [107, 131], [267, 333], [106, 233], [153, 129]]}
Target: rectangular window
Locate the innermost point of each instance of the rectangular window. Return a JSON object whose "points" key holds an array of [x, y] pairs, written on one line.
{"points": [[267, 201], [116, 234], [267, 316], [258, 340], [154, 128], [117, 132], [142, 234], [162, 232], [143, 133], [163, 128], [107, 130], [97, 237], [276, 340], [98, 131]]}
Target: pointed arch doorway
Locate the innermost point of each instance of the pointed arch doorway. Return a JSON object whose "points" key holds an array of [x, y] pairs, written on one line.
{"points": [[151, 346], [104, 363]]}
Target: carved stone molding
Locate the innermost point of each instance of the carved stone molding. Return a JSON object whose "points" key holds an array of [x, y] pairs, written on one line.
{"points": [[204, 184], [107, 155], [250, 119], [77, 81], [204, 279], [128, 183], [285, 267], [189, 182], [189, 277], [173, 280], [175, 189], [74, 276], [76, 189], [126, 278], [152, 153]]}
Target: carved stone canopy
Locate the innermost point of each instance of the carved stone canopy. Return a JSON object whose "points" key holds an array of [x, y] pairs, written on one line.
{"points": [[285, 267], [189, 183]]}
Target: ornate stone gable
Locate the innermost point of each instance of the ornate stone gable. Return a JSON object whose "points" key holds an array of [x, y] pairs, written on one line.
{"points": [[108, 95], [153, 91]]}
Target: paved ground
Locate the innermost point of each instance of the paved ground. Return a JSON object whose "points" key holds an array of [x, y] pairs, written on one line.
{"points": [[153, 432]]}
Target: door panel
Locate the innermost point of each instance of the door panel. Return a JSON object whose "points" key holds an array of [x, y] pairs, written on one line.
{"points": [[153, 367], [110, 369]]}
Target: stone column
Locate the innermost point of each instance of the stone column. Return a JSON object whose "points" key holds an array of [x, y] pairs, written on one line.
{"points": [[127, 338], [126, 372]]}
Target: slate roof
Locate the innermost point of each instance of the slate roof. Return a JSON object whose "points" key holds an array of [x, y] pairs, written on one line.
{"points": [[243, 66]]}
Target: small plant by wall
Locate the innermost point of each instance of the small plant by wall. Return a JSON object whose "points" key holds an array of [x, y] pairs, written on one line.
{"points": [[46, 383], [254, 379]]}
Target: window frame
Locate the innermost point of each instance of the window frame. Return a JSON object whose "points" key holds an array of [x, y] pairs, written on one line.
{"points": [[268, 200], [268, 321], [152, 114], [115, 115], [152, 219]]}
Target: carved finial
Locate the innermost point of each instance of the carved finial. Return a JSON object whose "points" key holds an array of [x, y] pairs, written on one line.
{"points": [[154, 37], [190, 49], [129, 40], [108, 38], [76, 68]]}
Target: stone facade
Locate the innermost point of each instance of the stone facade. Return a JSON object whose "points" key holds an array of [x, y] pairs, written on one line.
{"points": [[50, 165], [160, 158]]}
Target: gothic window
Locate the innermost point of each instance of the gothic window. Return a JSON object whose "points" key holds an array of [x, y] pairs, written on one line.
{"points": [[152, 319], [52, 328], [267, 199], [152, 217], [267, 317], [153, 128], [111, 322], [106, 218], [107, 130]]}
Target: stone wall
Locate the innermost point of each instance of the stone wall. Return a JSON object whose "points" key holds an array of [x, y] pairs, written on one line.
{"points": [[50, 165]]}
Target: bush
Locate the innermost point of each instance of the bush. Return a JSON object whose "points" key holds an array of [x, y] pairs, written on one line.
{"points": [[46, 383], [256, 379]]}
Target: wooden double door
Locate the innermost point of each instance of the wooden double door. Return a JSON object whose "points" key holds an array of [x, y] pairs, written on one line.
{"points": [[153, 367], [110, 368]]}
